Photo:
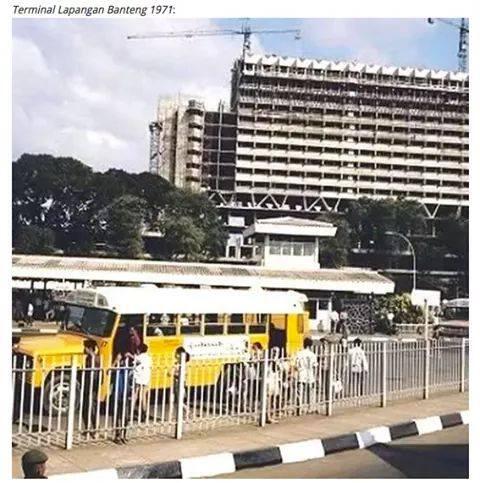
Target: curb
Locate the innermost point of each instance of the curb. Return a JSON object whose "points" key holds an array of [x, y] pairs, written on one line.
{"points": [[224, 463]]}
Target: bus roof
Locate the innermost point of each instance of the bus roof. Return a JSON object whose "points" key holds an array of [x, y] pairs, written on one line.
{"points": [[154, 300]]}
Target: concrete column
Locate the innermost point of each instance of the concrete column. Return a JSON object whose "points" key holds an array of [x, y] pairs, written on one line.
{"points": [[316, 253], [266, 249]]}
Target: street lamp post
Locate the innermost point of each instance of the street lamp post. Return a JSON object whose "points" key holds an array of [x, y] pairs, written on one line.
{"points": [[403, 237]]}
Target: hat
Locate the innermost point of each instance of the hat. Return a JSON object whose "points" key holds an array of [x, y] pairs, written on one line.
{"points": [[34, 457]]}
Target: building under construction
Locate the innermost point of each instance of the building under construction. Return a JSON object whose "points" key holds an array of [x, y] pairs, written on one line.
{"points": [[306, 136]]}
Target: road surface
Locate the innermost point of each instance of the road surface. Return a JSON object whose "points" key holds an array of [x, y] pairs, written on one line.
{"points": [[442, 454]]}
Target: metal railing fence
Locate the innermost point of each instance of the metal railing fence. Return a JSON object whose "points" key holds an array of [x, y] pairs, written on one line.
{"points": [[80, 401]]}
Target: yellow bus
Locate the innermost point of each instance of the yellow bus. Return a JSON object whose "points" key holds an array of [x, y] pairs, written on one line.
{"points": [[212, 324]]}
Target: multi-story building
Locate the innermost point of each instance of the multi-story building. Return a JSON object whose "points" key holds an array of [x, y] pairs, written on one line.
{"points": [[306, 136]]}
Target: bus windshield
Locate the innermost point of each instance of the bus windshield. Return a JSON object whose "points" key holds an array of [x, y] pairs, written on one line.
{"points": [[89, 320]]}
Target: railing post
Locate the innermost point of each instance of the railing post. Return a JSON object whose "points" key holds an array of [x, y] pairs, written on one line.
{"points": [[462, 369], [426, 387], [181, 395], [264, 396], [71, 404], [331, 367], [383, 401]]}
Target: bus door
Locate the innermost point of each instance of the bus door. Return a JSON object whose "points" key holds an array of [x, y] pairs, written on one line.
{"points": [[161, 334], [277, 331]]}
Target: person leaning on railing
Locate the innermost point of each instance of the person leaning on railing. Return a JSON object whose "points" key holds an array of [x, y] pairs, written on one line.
{"points": [[304, 366], [91, 384], [358, 364]]}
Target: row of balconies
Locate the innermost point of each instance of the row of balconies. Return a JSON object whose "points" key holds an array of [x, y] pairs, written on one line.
{"points": [[408, 82], [393, 176], [299, 145], [321, 107], [268, 101], [312, 159], [323, 87], [320, 95], [354, 193], [353, 178], [247, 119], [397, 188], [280, 132], [402, 173], [310, 164]]}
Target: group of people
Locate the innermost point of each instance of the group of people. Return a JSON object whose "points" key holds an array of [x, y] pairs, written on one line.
{"points": [[34, 306], [131, 374], [307, 379]]}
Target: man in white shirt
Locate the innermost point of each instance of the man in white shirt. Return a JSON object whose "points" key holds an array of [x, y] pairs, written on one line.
{"points": [[334, 319], [30, 314], [358, 364], [305, 364]]}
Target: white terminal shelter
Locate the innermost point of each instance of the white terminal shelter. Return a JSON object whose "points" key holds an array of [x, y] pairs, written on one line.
{"points": [[286, 256]]}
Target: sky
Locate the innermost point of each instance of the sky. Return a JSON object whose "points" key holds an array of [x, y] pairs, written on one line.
{"points": [[81, 89]]}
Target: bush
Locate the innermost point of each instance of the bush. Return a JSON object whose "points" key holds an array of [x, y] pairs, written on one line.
{"points": [[400, 305]]}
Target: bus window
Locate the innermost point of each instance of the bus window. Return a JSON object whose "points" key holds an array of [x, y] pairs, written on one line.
{"points": [[259, 326], [236, 325], [161, 324], [190, 323], [213, 329]]}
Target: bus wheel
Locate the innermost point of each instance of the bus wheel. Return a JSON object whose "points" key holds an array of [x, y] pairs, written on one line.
{"points": [[56, 395]]}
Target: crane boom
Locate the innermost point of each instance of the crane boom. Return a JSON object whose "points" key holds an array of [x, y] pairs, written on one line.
{"points": [[207, 33], [245, 30], [463, 28]]}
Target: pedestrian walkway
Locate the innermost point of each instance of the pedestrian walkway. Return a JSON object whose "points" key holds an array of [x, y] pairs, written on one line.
{"points": [[242, 438]]}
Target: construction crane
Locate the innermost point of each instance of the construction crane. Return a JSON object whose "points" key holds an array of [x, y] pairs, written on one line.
{"points": [[463, 29], [245, 30]]}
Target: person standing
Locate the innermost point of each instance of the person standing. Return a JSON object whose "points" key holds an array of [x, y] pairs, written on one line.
{"points": [[90, 386], [142, 371], [30, 310], [134, 341], [305, 364], [358, 363], [121, 370], [34, 464], [334, 319], [252, 377]]}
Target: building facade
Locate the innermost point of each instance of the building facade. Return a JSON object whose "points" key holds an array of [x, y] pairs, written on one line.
{"points": [[307, 136]]}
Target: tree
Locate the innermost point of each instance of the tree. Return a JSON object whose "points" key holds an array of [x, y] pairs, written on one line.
{"points": [[54, 193], [200, 213], [123, 223], [32, 239], [182, 238], [334, 251]]}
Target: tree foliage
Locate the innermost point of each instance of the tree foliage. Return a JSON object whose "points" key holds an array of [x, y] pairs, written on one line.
{"points": [[404, 312], [334, 251], [123, 223], [82, 207], [370, 219], [32, 239]]}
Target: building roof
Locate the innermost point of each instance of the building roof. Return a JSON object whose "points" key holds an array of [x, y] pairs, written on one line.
{"points": [[419, 72], [288, 225], [154, 300], [35, 267]]}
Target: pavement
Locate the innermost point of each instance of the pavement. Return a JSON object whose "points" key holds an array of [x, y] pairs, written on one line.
{"points": [[143, 452], [442, 454]]}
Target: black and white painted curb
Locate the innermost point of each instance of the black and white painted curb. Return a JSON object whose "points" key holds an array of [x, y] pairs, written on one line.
{"points": [[224, 463]]}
